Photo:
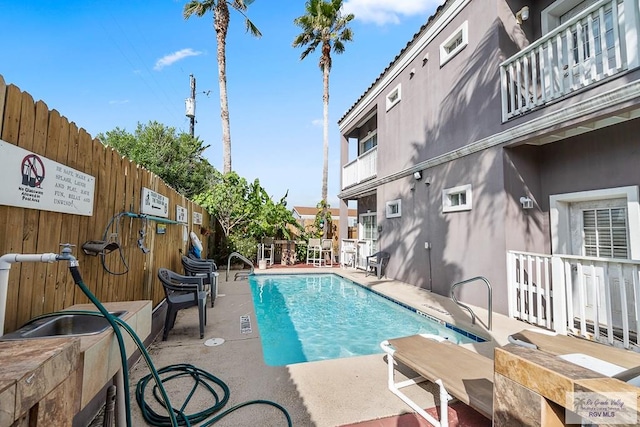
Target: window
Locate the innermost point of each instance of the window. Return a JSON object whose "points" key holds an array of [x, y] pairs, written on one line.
{"points": [[605, 232], [394, 97], [577, 230], [394, 208], [369, 142], [454, 43], [456, 199], [368, 231], [561, 11]]}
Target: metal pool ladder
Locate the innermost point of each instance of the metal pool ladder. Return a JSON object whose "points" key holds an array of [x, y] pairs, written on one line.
{"points": [[240, 275], [489, 298]]}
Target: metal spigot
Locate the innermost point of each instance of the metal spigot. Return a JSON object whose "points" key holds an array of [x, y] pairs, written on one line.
{"points": [[66, 255]]}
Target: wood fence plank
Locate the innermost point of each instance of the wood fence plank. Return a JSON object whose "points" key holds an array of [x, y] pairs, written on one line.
{"points": [[27, 298], [90, 266], [49, 237], [101, 164], [114, 162], [3, 95], [83, 162], [138, 260], [119, 198], [62, 271], [73, 295], [40, 269], [129, 192], [11, 239]]}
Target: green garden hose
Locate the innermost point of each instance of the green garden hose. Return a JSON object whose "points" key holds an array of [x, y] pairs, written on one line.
{"points": [[201, 378]]}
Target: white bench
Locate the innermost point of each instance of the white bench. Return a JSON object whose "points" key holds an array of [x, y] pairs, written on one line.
{"points": [[459, 373]]}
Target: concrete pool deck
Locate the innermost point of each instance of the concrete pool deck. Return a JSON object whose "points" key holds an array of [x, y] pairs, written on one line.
{"points": [[323, 394]]}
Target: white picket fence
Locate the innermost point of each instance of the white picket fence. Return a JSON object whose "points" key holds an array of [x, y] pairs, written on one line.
{"points": [[597, 298]]}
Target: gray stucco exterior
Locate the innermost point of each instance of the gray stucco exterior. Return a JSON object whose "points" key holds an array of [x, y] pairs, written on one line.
{"points": [[449, 126]]}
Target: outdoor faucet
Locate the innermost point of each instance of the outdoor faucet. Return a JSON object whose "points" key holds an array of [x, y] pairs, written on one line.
{"points": [[8, 259], [65, 255]]}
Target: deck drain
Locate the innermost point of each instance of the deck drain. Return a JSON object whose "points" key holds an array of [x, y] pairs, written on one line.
{"points": [[245, 325], [214, 342]]}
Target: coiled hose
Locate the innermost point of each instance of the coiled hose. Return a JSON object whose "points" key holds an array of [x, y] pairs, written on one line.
{"points": [[201, 378]]}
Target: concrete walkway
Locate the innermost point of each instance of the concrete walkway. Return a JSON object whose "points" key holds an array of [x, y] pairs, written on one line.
{"points": [[323, 394]]}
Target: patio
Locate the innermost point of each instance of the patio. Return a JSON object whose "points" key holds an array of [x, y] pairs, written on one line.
{"points": [[329, 393]]}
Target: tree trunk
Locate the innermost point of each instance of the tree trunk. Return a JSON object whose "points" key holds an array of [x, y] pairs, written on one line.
{"points": [[325, 144], [221, 24]]}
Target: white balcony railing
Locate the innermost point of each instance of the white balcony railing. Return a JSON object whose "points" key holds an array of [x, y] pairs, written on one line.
{"points": [[579, 53], [361, 169], [597, 298]]}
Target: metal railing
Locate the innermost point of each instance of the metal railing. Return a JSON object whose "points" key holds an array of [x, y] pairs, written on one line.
{"points": [[489, 298], [243, 259]]}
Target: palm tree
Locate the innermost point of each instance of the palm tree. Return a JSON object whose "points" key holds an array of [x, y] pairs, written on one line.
{"points": [[323, 25], [221, 18]]}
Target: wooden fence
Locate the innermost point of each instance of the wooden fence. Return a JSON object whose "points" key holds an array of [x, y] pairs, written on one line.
{"points": [[37, 288]]}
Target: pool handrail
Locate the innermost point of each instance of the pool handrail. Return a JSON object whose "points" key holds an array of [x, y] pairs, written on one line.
{"points": [[242, 258], [489, 298]]}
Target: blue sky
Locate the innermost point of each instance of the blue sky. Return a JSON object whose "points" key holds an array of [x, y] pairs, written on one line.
{"points": [[107, 64]]}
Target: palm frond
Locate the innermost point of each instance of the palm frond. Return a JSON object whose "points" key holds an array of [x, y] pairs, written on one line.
{"points": [[198, 8]]}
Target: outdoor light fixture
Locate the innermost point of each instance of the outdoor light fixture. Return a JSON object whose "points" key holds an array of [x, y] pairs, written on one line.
{"points": [[412, 73], [522, 15], [417, 175], [526, 202]]}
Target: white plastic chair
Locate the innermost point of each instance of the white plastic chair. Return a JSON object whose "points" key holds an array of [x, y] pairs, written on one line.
{"points": [[314, 252], [326, 249]]}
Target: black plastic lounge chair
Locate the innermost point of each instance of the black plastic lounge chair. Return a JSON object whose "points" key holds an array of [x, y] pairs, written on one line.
{"points": [[378, 263], [182, 292]]}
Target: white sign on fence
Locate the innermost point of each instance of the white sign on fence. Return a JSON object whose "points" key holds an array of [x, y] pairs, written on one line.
{"points": [[197, 218], [35, 182], [154, 203], [181, 214]]}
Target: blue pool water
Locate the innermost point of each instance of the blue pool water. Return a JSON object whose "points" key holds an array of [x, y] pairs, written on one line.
{"points": [[305, 318]]}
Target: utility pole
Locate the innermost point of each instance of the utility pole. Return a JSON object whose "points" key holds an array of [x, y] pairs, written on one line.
{"points": [[190, 104]]}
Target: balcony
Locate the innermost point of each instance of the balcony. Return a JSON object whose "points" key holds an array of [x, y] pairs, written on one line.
{"points": [[580, 53], [360, 169]]}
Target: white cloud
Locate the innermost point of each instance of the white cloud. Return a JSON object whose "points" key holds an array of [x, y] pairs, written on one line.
{"points": [[118, 102], [383, 12], [317, 122], [167, 60]]}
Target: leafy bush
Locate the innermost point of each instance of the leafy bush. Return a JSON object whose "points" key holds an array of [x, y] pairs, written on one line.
{"points": [[244, 245]]}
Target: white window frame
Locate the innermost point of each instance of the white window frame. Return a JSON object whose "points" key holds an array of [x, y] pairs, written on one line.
{"points": [[446, 198], [445, 54], [395, 92], [389, 209], [550, 16], [560, 221], [371, 135]]}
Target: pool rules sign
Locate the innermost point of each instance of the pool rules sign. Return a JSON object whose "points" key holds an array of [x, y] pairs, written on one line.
{"points": [[35, 182]]}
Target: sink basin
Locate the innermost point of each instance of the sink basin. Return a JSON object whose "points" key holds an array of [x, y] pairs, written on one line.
{"points": [[62, 325]]}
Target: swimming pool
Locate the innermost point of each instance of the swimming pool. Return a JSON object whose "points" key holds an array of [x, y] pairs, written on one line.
{"points": [[305, 318]]}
